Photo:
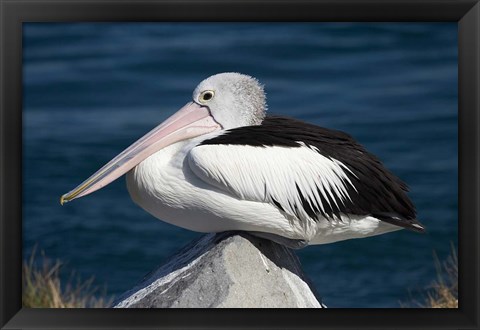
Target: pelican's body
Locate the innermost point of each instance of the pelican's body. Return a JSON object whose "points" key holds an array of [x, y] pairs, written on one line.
{"points": [[219, 164], [165, 186]]}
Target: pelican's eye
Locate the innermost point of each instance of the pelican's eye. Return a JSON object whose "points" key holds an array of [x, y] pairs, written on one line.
{"points": [[206, 96]]}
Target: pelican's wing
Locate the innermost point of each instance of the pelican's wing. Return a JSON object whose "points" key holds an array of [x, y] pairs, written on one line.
{"points": [[304, 170]]}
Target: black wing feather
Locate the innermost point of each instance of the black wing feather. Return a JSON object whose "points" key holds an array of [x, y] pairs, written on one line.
{"points": [[377, 191]]}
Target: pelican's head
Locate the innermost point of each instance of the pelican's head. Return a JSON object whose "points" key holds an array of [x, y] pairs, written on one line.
{"points": [[234, 99], [222, 101]]}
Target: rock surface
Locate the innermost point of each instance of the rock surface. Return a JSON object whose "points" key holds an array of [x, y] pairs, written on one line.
{"points": [[225, 270]]}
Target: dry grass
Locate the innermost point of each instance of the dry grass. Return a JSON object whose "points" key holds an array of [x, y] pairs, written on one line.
{"points": [[42, 287], [443, 292]]}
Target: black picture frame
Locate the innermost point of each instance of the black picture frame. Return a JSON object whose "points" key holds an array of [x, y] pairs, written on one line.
{"points": [[15, 12]]}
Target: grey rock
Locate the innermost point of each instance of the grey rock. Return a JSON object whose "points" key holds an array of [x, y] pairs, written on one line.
{"points": [[233, 269]]}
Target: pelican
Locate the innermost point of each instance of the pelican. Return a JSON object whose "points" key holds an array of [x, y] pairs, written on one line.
{"points": [[220, 164]]}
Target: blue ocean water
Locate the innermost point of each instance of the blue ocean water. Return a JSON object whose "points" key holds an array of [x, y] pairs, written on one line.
{"points": [[91, 89]]}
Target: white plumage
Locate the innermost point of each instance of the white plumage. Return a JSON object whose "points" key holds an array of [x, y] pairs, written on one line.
{"points": [[219, 188], [266, 174]]}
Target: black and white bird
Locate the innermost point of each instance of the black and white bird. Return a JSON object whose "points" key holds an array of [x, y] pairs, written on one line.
{"points": [[221, 164]]}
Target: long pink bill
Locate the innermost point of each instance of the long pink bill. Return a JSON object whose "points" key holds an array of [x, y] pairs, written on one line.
{"points": [[190, 121]]}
